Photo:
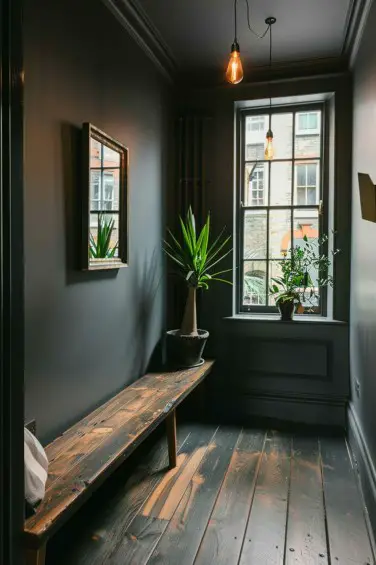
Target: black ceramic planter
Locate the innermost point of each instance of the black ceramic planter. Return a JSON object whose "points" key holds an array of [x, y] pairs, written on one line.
{"points": [[287, 310], [185, 351]]}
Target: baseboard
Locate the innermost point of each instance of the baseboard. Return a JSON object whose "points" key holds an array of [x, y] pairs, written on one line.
{"points": [[363, 465]]}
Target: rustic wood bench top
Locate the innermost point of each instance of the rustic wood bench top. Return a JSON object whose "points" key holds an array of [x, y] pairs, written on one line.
{"points": [[86, 454]]}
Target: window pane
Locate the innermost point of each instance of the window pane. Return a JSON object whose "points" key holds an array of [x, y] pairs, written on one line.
{"points": [[311, 196], [311, 174], [282, 131], [111, 158], [301, 196], [255, 152], [95, 153], [280, 186], [95, 190], [102, 220], [306, 223], [254, 283], [279, 233], [274, 271], [308, 134], [301, 175], [256, 184], [313, 121], [255, 222], [110, 194], [255, 129], [307, 188], [302, 121]]}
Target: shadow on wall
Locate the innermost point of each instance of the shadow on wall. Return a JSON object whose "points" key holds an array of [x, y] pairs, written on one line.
{"points": [[71, 137], [148, 282]]}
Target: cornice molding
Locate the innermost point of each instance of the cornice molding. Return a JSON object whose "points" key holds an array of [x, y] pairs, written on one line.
{"points": [[135, 20], [356, 21]]}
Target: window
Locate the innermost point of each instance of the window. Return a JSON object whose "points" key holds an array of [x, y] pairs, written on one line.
{"points": [[256, 186], [308, 123], [256, 123], [306, 183], [278, 200]]}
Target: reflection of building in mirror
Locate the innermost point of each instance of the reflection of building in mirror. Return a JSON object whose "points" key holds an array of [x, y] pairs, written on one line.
{"points": [[104, 196]]}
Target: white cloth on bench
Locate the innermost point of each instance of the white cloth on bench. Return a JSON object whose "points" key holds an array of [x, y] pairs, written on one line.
{"points": [[36, 469]]}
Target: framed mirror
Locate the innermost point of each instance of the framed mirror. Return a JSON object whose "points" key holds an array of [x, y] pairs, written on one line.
{"points": [[105, 196]]}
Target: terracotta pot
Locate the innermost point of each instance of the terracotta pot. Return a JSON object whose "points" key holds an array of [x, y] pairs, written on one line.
{"points": [[286, 309]]}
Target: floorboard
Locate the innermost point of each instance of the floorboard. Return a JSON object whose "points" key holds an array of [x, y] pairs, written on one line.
{"points": [[147, 528], [181, 541], [347, 533], [223, 538], [264, 542], [306, 533]]}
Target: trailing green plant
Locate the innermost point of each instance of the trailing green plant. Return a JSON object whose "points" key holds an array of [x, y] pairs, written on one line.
{"points": [[100, 247], [296, 283], [195, 258]]}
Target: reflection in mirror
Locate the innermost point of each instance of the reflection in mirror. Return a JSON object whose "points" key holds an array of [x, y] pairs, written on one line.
{"points": [[105, 229]]}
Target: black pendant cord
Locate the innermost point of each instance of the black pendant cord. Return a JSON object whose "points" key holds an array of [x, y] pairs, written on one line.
{"points": [[248, 22], [270, 65], [250, 27]]}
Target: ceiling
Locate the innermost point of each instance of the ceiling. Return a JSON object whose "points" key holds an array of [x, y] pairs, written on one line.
{"points": [[198, 33]]}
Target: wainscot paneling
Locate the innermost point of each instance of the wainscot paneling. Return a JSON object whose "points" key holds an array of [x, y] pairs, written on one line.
{"points": [[294, 371]]}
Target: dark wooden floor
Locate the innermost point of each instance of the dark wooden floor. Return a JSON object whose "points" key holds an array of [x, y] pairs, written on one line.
{"points": [[237, 497]]}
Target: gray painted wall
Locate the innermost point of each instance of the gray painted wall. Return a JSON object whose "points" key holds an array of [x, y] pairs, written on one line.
{"points": [[87, 334], [245, 382], [363, 266]]}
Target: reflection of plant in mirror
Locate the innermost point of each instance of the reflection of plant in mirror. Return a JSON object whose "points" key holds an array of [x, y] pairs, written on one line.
{"points": [[100, 247], [305, 270]]}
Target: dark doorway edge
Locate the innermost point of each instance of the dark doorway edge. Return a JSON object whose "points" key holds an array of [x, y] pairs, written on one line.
{"points": [[11, 283]]}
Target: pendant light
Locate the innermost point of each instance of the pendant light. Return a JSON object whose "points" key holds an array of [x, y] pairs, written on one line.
{"points": [[269, 149], [234, 73]]}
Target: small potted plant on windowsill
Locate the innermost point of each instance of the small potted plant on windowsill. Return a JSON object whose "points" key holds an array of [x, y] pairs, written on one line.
{"points": [[304, 271], [195, 259]]}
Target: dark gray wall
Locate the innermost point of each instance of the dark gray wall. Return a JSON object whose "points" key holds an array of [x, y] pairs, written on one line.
{"points": [[87, 334], [243, 378], [363, 265]]}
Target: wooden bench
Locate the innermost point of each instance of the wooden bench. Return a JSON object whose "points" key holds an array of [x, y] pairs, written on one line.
{"points": [[86, 454]]}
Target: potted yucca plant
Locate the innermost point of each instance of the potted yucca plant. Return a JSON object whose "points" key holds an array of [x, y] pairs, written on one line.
{"points": [[195, 258]]}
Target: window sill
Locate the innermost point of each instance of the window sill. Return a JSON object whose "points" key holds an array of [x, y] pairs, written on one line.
{"points": [[301, 319]]}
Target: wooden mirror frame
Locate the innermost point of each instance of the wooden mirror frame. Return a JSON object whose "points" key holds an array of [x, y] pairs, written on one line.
{"points": [[88, 132]]}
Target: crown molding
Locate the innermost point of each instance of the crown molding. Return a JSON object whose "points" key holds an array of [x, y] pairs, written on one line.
{"points": [[356, 21], [135, 20], [280, 72]]}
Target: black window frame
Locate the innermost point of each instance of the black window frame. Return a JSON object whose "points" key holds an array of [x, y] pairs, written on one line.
{"points": [[323, 197]]}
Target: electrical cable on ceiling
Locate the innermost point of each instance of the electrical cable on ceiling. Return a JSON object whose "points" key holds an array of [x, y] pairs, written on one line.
{"points": [[249, 23]]}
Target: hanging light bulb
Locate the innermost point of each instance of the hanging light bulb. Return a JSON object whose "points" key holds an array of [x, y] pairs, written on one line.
{"points": [[269, 149], [234, 73]]}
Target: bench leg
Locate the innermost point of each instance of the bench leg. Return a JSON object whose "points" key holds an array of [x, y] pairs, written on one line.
{"points": [[171, 438], [36, 556]]}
